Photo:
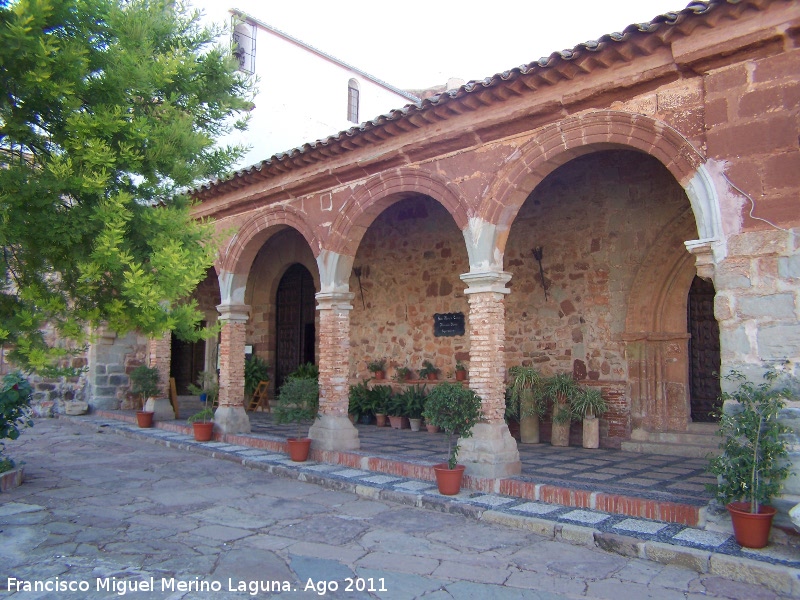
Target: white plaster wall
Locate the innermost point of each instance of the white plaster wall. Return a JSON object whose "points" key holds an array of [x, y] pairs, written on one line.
{"points": [[302, 97]]}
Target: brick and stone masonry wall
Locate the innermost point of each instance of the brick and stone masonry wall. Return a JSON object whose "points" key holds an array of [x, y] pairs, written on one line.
{"points": [[753, 118]]}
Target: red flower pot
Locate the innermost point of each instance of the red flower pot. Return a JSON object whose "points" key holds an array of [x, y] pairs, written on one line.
{"points": [[144, 418], [299, 448], [751, 530], [203, 431], [380, 374], [461, 375], [448, 480]]}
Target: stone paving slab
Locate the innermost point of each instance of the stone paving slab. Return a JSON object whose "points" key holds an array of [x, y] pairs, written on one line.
{"points": [[678, 536]]}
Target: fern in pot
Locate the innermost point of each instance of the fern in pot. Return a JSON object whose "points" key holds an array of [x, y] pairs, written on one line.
{"points": [[561, 389], [525, 401], [753, 464], [588, 404]]}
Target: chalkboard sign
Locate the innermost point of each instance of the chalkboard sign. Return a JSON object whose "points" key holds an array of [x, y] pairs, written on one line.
{"points": [[448, 324]]}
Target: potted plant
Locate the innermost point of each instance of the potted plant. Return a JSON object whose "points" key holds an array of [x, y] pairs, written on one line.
{"points": [[359, 406], [428, 371], [588, 404], [395, 410], [379, 397], [461, 371], [256, 370], [413, 400], [525, 399], [144, 383], [561, 389], [402, 374], [208, 390], [377, 368], [15, 414], [456, 410], [753, 463], [298, 402]]}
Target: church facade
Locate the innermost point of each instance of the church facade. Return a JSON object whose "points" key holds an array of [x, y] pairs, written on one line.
{"points": [[627, 212]]}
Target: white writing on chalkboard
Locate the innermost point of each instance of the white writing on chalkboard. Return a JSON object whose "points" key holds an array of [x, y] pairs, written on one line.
{"points": [[448, 324]]}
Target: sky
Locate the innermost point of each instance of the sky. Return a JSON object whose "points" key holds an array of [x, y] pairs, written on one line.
{"points": [[417, 45]]}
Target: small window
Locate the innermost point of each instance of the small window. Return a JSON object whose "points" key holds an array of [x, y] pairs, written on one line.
{"points": [[352, 101], [244, 45]]}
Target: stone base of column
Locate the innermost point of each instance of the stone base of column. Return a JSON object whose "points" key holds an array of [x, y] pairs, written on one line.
{"points": [[491, 452], [161, 408], [231, 419], [333, 433]]}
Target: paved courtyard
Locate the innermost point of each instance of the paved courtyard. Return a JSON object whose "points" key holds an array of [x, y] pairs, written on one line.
{"points": [[114, 515]]}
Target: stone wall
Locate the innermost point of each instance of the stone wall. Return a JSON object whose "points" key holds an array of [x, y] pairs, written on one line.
{"points": [[411, 258], [111, 359], [596, 219]]}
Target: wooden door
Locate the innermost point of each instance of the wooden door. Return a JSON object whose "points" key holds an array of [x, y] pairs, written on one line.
{"points": [[704, 360], [295, 329]]}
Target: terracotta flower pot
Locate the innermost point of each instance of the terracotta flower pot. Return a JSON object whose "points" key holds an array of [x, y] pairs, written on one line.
{"points": [[432, 428], [380, 374], [299, 448], [380, 420], [144, 418], [396, 422], [751, 530], [461, 375], [448, 480], [203, 431], [432, 376]]}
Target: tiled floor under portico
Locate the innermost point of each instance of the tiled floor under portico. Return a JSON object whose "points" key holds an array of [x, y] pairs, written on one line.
{"points": [[668, 488]]}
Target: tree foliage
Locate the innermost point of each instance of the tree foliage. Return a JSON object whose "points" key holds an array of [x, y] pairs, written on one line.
{"points": [[110, 108]]}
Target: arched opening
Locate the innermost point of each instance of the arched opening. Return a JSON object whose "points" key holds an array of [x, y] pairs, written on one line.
{"points": [[294, 321], [704, 351], [188, 359]]}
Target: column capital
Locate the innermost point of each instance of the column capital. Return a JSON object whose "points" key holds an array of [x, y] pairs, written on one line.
{"points": [[335, 300], [703, 251], [486, 281], [233, 313]]}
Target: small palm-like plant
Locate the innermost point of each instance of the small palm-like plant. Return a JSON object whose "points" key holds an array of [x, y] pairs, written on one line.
{"points": [[589, 403], [525, 391]]}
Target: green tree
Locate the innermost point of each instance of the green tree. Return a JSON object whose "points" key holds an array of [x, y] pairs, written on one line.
{"points": [[110, 109]]}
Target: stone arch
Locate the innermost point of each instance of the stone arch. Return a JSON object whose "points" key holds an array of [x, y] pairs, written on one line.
{"points": [[561, 142], [381, 191], [241, 250], [276, 256]]}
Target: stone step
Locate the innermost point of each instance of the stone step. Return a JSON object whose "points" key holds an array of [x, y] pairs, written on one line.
{"points": [[698, 441], [671, 448]]}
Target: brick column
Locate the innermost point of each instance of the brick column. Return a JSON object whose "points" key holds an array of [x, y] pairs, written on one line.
{"points": [[159, 355], [332, 430], [230, 416], [491, 451]]}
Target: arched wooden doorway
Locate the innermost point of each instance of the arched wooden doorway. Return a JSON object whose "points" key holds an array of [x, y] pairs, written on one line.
{"points": [[294, 328], [704, 359]]}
